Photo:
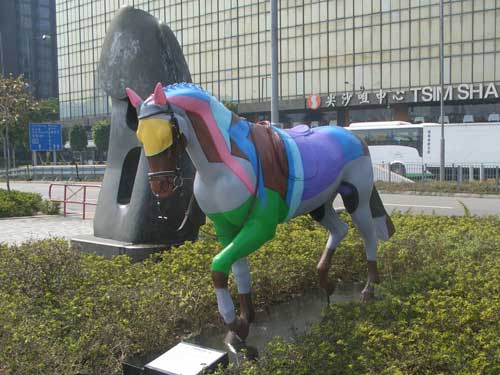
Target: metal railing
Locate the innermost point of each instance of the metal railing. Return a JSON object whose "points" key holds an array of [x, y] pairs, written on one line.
{"points": [[73, 194], [59, 172], [421, 173]]}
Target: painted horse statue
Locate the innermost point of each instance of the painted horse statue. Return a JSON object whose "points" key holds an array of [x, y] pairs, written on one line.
{"points": [[252, 177]]}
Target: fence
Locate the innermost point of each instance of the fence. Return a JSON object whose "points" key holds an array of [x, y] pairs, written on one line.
{"points": [[422, 173], [57, 172], [74, 195]]}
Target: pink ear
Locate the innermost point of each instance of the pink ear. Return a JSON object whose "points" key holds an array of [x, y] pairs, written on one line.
{"points": [[159, 97], [134, 98]]}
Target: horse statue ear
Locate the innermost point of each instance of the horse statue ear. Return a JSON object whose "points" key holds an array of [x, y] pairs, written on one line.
{"points": [[159, 97], [134, 98]]}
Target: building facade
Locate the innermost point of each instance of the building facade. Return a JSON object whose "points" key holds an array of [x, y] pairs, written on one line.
{"points": [[28, 43], [341, 61]]}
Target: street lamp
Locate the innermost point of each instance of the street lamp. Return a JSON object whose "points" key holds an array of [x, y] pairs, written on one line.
{"points": [[274, 63], [441, 79]]}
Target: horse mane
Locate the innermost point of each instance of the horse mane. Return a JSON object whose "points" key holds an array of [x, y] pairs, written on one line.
{"points": [[216, 117], [191, 98], [175, 87]]}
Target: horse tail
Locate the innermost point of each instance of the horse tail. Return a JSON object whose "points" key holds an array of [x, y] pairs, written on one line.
{"points": [[383, 223]]}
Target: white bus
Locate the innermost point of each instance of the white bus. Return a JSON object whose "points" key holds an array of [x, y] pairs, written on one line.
{"points": [[402, 144], [396, 143]]}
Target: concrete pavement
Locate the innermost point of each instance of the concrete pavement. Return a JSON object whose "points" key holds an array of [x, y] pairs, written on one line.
{"points": [[17, 230]]}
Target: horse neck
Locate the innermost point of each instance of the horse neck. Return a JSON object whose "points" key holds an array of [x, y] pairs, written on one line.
{"points": [[201, 146]]}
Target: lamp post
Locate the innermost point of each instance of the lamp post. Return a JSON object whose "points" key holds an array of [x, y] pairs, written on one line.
{"points": [[274, 63], [441, 79]]}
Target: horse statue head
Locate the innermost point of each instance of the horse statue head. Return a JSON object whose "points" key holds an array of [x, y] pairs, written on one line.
{"points": [[159, 133]]}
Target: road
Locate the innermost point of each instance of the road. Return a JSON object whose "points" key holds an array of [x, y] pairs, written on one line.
{"points": [[439, 205]]}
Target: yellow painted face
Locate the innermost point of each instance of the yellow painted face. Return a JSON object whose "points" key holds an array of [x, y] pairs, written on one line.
{"points": [[155, 134]]}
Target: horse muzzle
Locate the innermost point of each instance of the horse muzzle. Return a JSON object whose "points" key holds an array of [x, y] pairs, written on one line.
{"points": [[164, 184]]}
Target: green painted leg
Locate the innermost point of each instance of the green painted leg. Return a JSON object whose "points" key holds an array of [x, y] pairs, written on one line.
{"points": [[257, 230]]}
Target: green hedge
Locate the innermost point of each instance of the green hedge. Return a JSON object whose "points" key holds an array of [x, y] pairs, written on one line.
{"points": [[444, 187], [62, 312], [438, 311], [17, 203]]}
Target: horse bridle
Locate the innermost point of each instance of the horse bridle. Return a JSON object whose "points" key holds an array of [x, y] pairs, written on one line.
{"points": [[173, 176]]}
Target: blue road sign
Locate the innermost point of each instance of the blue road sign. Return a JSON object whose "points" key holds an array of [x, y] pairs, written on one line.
{"points": [[45, 137]]}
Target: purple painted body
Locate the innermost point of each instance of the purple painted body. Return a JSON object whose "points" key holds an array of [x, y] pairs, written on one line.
{"points": [[323, 153]]}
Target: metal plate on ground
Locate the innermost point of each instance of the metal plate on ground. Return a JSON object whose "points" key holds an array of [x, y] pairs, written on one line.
{"points": [[186, 359]]}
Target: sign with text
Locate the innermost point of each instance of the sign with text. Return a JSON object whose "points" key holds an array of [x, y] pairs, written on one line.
{"points": [[45, 137], [425, 94]]}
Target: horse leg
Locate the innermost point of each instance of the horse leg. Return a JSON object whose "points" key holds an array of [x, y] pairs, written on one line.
{"points": [[225, 234], [329, 219], [252, 236], [359, 176], [241, 274]]}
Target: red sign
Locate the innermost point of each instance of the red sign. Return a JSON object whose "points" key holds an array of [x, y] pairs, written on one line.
{"points": [[313, 102]]}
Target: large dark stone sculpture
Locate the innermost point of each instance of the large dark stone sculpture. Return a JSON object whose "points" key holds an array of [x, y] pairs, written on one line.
{"points": [[138, 51]]}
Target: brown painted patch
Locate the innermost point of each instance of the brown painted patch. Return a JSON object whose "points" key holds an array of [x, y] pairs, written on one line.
{"points": [[234, 118], [273, 158], [203, 135], [235, 151]]}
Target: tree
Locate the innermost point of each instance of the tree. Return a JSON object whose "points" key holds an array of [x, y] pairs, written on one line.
{"points": [[232, 106], [78, 139], [100, 135], [15, 101]]}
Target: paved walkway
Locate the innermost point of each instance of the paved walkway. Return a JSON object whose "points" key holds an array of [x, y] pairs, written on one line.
{"points": [[18, 230]]}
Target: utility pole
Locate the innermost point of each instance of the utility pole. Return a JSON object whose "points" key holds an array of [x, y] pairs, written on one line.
{"points": [[274, 63], [441, 79], [6, 146]]}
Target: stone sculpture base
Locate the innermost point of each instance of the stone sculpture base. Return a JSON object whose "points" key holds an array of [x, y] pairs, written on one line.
{"points": [[111, 248]]}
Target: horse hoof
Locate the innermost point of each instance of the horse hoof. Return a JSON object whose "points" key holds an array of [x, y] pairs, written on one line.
{"points": [[239, 347], [368, 295]]}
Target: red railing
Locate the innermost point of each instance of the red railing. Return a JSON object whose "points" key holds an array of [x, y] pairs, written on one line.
{"points": [[71, 195]]}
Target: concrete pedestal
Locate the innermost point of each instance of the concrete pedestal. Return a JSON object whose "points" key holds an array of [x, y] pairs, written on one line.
{"points": [[110, 248]]}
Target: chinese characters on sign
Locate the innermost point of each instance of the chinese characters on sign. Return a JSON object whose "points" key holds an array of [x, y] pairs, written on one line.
{"points": [[413, 95], [45, 137]]}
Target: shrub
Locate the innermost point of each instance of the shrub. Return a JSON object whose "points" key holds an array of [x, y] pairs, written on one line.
{"points": [[50, 208], [471, 187], [437, 313], [16, 203], [62, 312]]}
